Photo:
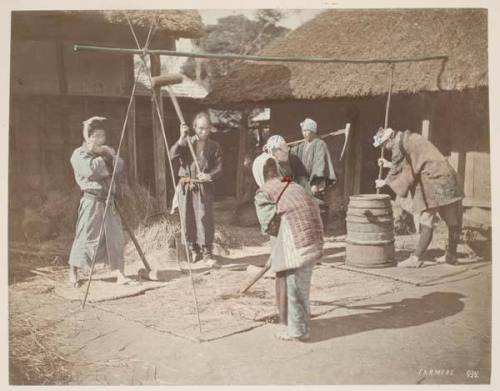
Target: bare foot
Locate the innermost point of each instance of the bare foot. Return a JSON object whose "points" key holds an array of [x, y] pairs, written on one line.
{"points": [[73, 277]]}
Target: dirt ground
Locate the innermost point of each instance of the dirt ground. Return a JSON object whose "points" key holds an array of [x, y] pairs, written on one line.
{"points": [[377, 326]]}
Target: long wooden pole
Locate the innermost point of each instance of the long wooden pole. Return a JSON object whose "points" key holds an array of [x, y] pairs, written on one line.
{"points": [[108, 196], [227, 56], [160, 119]]}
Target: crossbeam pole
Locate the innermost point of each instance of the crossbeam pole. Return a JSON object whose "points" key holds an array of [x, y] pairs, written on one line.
{"points": [[325, 60]]}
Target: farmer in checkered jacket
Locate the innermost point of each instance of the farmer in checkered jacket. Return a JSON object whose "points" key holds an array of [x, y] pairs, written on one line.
{"points": [[292, 219]]}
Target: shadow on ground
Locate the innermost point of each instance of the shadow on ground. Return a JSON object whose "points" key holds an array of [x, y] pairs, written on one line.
{"points": [[393, 315]]}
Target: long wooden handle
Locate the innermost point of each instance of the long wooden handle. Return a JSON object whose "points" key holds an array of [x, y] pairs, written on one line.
{"points": [[177, 108], [380, 167], [322, 136], [257, 276]]}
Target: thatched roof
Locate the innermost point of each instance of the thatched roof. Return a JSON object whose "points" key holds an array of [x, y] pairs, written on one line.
{"points": [[182, 23], [107, 25], [460, 34]]}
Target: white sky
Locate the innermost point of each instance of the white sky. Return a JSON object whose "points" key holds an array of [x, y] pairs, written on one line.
{"points": [[293, 17]]}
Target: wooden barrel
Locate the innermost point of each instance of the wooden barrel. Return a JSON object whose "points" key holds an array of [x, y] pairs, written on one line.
{"points": [[370, 231]]}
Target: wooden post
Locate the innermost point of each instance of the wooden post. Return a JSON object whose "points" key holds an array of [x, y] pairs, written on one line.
{"points": [[426, 129], [158, 143], [427, 110], [42, 111], [64, 107], [242, 146], [131, 147], [351, 158]]}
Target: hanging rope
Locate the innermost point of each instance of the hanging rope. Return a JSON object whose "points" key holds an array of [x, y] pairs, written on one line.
{"points": [[167, 148], [386, 120]]}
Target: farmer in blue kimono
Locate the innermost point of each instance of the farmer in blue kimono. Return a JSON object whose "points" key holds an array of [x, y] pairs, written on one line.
{"points": [[314, 155], [195, 192], [428, 187], [292, 219], [93, 163]]}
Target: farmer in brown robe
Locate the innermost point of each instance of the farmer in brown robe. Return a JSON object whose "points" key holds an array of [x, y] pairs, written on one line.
{"points": [[196, 190], [419, 172], [316, 159]]}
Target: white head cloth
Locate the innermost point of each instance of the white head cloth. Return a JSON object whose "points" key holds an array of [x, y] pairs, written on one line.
{"points": [[273, 142], [382, 136], [258, 167], [309, 124], [88, 123]]}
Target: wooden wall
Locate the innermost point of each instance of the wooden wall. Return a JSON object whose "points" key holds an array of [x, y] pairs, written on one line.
{"points": [[52, 67], [44, 131]]}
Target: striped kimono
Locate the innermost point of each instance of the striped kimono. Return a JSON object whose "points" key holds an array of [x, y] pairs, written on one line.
{"points": [[92, 176]]}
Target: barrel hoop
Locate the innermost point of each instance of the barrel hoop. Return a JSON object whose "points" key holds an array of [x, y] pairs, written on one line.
{"points": [[362, 265], [364, 220]]}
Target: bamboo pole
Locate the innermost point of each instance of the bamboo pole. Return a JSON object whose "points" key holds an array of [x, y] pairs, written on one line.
{"points": [[227, 56]]}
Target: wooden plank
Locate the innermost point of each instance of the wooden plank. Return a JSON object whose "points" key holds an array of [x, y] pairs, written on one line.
{"points": [[158, 144]]}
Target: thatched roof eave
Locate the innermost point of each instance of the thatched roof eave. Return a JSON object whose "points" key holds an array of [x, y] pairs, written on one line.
{"points": [[458, 34]]}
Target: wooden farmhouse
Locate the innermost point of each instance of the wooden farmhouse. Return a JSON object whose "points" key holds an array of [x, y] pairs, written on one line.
{"points": [[444, 99]]}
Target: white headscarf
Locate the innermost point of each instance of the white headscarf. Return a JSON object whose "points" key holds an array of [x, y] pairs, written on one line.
{"points": [[273, 142], [258, 167], [382, 136], [310, 125], [89, 124]]}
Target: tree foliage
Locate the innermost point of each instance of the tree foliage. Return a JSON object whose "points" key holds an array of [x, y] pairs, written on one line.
{"points": [[235, 34]]}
